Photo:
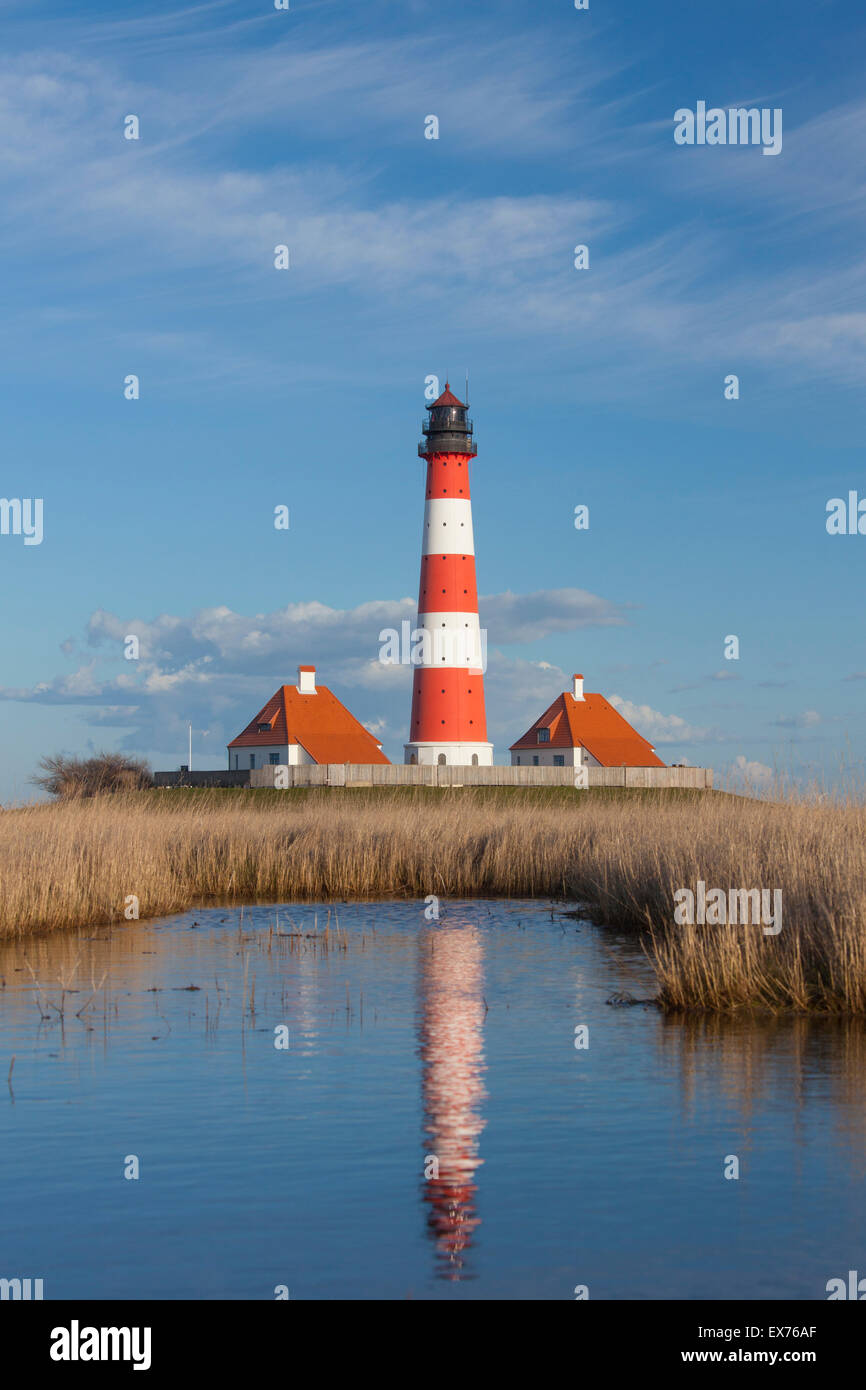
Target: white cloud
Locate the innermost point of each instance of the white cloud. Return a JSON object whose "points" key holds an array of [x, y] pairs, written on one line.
{"points": [[517, 692], [656, 727], [752, 776], [217, 667]]}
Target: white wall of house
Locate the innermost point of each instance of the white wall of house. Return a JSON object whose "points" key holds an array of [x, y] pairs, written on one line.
{"points": [[297, 754], [239, 758], [572, 757]]}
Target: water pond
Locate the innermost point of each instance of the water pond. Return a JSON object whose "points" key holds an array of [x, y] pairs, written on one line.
{"points": [[358, 1102]]}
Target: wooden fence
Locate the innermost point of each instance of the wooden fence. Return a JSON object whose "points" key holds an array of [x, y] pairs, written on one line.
{"points": [[432, 775]]}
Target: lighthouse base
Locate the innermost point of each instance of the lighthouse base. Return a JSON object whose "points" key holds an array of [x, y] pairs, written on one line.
{"points": [[450, 754]]}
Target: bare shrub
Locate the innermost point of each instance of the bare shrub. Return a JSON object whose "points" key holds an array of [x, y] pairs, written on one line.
{"points": [[67, 777]]}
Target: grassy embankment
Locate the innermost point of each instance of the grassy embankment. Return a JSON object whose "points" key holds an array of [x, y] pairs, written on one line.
{"points": [[624, 854]]}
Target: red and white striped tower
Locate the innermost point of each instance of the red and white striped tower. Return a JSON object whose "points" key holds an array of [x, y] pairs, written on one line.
{"points": [[448, 723]]}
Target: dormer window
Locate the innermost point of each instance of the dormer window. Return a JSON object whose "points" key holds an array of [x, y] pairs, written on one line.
{"points": [[543, 735], [263, 728]]}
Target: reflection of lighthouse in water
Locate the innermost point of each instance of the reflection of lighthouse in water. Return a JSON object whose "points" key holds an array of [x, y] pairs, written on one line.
{"points": [[452, 1050]]}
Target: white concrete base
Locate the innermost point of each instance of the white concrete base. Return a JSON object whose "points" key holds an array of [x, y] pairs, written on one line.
{"points": [[451, 754]]}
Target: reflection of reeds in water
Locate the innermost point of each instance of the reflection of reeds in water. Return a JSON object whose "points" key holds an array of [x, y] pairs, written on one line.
{"points": [[759, 1062], [451, 1045], [230, 975]]}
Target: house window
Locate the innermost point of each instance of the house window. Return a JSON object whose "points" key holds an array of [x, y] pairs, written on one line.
{"points": [[559, 760], [474, 759], [264, 728], [236, 762], [441, 760], [543, 735], [535, 760], [518, 760], [252, 759], [274, 759]]}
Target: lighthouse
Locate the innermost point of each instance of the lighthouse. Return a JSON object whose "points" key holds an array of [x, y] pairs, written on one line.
{"points": [[448, 723]]}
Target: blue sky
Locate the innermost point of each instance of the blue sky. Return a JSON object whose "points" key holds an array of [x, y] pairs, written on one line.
{"points": [[412, 257]]}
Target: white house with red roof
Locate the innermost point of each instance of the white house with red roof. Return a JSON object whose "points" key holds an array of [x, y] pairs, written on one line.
{"points": [[582, 730], [303, 723]]}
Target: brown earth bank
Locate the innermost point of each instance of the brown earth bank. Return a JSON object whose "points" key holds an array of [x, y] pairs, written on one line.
{"points": [[621, 855]]}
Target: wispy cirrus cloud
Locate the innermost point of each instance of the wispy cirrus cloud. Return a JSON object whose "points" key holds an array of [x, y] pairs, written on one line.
{"points": [[806, 719], [528, 617], [654, 298], [706, 681]]}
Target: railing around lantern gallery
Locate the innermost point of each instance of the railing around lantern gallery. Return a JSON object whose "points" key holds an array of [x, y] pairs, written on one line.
{"points": [[447, 427], [450, 443]]}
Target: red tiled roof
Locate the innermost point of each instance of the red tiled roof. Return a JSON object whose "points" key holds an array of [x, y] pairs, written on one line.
{"points": [[447, 398], [318, 722], [594, 724]]}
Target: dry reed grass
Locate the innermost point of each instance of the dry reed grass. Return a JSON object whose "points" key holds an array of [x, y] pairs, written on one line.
{"points": [[73, 864]]}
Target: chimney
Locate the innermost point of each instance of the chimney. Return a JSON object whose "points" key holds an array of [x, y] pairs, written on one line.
{"points": [[306, 680], [577, 692]]}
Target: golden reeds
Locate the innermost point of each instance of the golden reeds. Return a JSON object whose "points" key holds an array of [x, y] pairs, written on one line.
{"points": [[76, 864]]}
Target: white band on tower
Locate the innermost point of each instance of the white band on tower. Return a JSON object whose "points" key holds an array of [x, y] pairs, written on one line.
{"points": [[448, 527]]}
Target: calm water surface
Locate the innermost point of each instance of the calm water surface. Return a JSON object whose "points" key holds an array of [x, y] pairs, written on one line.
{"points": [[410, 1041]]}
